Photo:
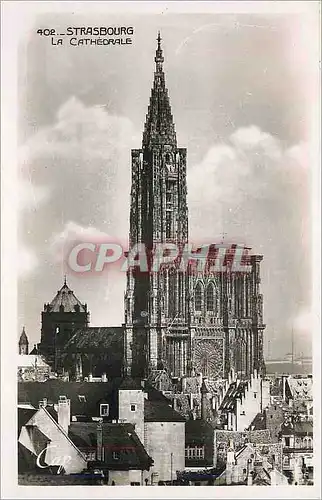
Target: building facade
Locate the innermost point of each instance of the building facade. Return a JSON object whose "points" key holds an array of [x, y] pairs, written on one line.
{"points": [[182, 320]]}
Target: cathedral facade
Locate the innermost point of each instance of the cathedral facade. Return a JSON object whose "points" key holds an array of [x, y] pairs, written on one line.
{"points": [[176, 319]]}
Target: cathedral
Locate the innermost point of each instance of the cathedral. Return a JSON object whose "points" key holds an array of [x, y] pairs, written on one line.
{"points": [[179, 321]]}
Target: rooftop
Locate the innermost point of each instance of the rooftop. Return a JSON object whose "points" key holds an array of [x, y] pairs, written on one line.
{"points": [[160, 411], [66, 301], [122, 448]]}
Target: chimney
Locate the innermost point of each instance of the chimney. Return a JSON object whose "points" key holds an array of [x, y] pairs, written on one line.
{"points": [[64, 413], [204, 392], [230, 463], [99, 451], [250, 472]]}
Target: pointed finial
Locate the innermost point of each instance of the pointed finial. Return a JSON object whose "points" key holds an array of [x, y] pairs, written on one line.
{"points": [[159, 56], [65, 280]]}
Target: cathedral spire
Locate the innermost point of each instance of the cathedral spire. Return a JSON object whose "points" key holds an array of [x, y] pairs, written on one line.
{"points": [[159, 59], [159, 127]]}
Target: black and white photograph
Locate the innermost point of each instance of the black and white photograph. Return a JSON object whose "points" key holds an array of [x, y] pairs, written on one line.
{"points": [[160, 283]]}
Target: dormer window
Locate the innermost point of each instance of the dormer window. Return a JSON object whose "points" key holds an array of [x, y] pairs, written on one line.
{"points": [[104, 410], [81, 398], [116, 455]]}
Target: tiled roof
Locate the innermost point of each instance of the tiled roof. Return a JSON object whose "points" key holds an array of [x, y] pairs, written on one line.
{"points": [[38, 438], [259, 422], [235, 390], [97, 338], [65, 297], [94, 392], [181, 404], [24, 415], [130, 383], [196, 431], [240, 437], [304, 427], [26, 459], [301, 388], [120, 438], [160, 411]]}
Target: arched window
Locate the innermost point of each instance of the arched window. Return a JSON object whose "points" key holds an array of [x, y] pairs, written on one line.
{"points": [[198, 297], [210, 297], [307, 442]]}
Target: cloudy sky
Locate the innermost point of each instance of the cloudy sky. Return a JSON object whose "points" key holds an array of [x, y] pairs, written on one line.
{"points": [[238, 87]]}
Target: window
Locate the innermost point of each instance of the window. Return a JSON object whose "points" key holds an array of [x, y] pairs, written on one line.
{"points": [[91, 456], [210, 297], [104, 410], [307, 442], [116, 455], [169, 197], [287, 441], [255, 395], [81, 398], [168, 225], [133, 407], [198, 297], [195, 452]]}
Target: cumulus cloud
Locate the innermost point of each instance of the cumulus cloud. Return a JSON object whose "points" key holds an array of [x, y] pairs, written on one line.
{"points": [[81, 132], [83, 158], [251, 171]]}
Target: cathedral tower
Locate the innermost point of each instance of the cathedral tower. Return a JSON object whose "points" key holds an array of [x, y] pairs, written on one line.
{"points": [[59, 319], [155, 303]]}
